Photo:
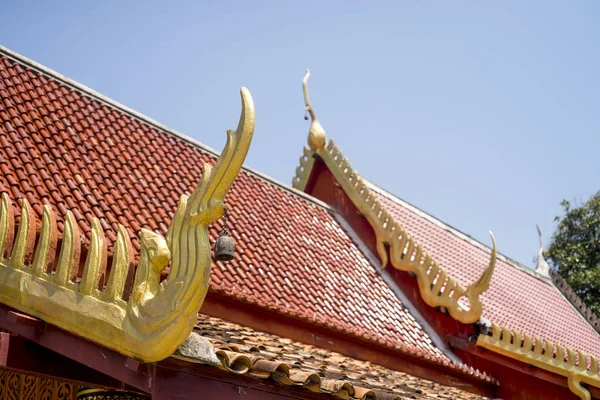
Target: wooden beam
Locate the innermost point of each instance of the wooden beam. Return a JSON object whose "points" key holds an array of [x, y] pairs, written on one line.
{"points": [[77, 349], [20, 355], [517, 379], [178, 380]]}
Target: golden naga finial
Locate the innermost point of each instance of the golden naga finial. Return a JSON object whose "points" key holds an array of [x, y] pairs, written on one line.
{"points": [[436, 287], [158, 316], [316, 135]]}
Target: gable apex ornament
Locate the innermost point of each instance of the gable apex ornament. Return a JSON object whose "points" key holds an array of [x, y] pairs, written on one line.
{"points": [[395, 245], [316, 134], [158, 316]]}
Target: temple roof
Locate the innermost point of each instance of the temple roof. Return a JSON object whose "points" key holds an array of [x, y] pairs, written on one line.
{"points": [[246, 351], [66, 146], [518, 298]]}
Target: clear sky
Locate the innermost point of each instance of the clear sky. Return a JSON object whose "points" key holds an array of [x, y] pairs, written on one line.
{"points": [[484, 114]]}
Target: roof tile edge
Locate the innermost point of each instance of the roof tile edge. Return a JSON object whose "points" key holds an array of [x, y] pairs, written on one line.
{"points": [[575, 301], [577, 366], [457, 232]]}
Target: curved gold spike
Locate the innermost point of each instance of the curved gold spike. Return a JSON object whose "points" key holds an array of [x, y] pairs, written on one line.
{"points": [[7, 224], [559, 354], [316, 135], [25, 239], [594, 365], [496, 331], [527, 344], [538, 347], [95, 259], [390, 234], [483, 283], [68, 260], [46, 247], [571, 357], [546, 355], [506, 336], [121, 265], [581, 359]]}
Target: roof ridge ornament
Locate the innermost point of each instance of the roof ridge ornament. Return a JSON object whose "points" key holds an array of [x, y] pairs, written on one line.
{"points": [[577, 366], [316, 134], [437, 288], [542, 266], [158, 316]]}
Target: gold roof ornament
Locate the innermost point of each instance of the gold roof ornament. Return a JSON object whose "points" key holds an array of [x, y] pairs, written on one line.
{"points": [[577, 366], [158, 316], [316, 134], [542, 266], [436, 287]]}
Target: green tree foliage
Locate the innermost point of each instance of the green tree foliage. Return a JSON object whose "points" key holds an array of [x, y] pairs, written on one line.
{"points": [[575, 249]]}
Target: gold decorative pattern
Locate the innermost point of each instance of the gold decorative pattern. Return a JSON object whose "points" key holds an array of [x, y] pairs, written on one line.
{"points": [[87, 393], [577, 366], [158, 316], [15, 386], [436, 287], [303, 170]]}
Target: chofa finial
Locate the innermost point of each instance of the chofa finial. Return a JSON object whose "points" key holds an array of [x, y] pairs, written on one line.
{"points": [[316, 135], [542, 266]]}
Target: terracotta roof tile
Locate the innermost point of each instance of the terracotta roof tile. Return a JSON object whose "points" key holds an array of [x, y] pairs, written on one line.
{"points": [[242, 350], [308, 267], [516, 299]]}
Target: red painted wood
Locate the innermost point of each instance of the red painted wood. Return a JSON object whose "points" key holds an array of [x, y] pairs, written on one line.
{"points": [[20, 355], [327, 189], [517, 380], [78, 349], [177, 380]]}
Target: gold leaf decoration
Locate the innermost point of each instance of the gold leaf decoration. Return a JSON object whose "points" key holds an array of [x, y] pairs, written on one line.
{"points": [[577, 366], [159, 316]]}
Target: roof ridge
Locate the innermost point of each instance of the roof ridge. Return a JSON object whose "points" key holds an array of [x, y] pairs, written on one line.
{"points": [[40, 68], [575, 300], [457, 232]]}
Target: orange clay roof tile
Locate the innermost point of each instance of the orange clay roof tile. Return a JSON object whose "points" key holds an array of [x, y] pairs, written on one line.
{"points": [[292, 255], [260, 355]]}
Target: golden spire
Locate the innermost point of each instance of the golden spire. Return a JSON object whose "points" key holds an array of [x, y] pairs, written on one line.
{"points": [[316, 135]]}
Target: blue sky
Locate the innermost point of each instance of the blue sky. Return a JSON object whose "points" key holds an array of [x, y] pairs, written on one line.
{"points": [[484, 114]]}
